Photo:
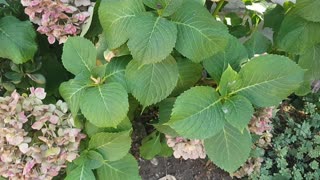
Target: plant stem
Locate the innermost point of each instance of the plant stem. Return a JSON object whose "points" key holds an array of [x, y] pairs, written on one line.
{"points": [[217, 9]]}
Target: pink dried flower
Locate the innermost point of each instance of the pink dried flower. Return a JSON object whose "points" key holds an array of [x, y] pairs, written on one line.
{"points": [[186, 148], [58, 19], [39, 153]]}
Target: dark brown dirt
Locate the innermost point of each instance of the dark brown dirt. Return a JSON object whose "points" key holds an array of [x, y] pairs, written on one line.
{"points": [[201, 169], [181, 169]]}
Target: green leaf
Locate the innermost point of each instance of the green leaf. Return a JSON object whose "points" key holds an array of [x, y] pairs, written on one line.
{"points": [[310, 60], [90, 159], [152, 38], [150, 146], [238, 111], [189, 74], [5, 3], [81, 173], [166, 151], [165, 110], [229, 149], [85, 27], [309, 10], [17, 40], [296, 35], [266, 80], [199, 35], [115, 17], [79, 54], [38, 78], [228, 81], [197, 113], [273, 17], [164, 7], [257, 44], [112, 146], [123, 169], [234, 54], [105, 105], [71, 92], [115, 71], [151, 83]]}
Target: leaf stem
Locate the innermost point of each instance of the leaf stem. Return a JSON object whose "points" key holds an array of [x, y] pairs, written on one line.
{"points": [[217, 9]]}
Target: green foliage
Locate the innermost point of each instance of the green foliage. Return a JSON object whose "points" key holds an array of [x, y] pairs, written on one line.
{"points": [[159, 43], [17, 40], [296, 146], [158, 80], [229, 148]]}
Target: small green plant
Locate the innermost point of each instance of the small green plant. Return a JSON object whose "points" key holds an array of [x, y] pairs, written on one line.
{"points": [[295, 149]]}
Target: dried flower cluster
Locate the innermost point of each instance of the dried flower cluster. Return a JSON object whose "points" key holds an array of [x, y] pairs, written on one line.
{"points": [[186, 148], [58, 18], [36, 140], [260, 124], [252, 165]]}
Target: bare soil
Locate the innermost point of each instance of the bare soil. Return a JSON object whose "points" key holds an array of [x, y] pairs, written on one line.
{"points": [[181, 169]]}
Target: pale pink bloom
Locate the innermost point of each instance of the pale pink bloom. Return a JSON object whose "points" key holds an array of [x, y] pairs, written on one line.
{"points": [[51, 39], [38, 124], [27, 168], [22, 117], [82, 3], [70, 29], [54, 119], [24, 148], [38, 93], [82, 16]]}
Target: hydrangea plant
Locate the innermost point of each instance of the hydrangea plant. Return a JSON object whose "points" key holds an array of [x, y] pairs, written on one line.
{"points": [[36, 140]]}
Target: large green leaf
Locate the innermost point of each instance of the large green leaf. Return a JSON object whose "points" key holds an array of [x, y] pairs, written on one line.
{"points": [[72, 91], [189, 74], [266, 80], [112, 146], [308, 9], [152, 83], [123, 169], [234, 54], [164, 7], [197, 113], [228, 81], [115, 70], [238, 111], [199, 35], [17, 40], [257, 44], [115, 16], [81, 173], [124, 125], [229, 149], [79, 54], [105, 105], [91, 159], [4, 2], [296, 35], [150, 146], [151, 39], [311, 61]]}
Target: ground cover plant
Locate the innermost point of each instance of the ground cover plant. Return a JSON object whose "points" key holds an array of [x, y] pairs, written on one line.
{"points": [[210, 72]]}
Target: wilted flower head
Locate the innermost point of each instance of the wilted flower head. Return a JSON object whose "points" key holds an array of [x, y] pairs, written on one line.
{"points": [[187, 149], [36, 140], [58, 19], [260, 122]]}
